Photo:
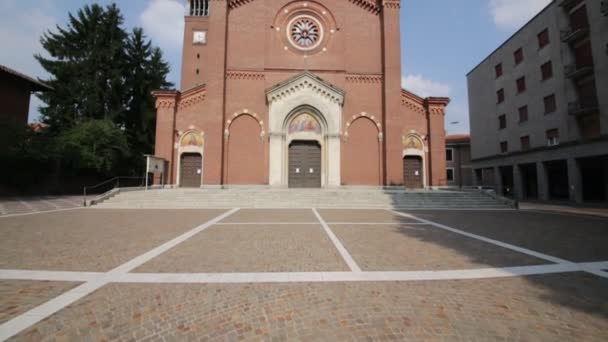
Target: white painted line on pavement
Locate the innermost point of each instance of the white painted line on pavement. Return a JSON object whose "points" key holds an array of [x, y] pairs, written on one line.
{"points": [[40, 212], [47, 202], [498, 243], [328, 277], [37, 314], [48, 275], [341, 249], [282, 277], [267, 223], [27, 205]]}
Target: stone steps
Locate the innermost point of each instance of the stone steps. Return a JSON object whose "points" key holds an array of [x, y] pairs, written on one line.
{"points": [[286, 198]]}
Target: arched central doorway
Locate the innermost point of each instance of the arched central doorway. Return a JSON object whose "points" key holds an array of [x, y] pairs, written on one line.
{"points": [[304, 164]]}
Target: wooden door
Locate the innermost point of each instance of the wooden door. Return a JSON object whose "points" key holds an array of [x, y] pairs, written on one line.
{"points": [[191, 170], [412, 172], [304, 164]]}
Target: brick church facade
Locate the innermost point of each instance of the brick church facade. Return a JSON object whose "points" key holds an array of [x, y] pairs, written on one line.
{"points": [[297, 94]]}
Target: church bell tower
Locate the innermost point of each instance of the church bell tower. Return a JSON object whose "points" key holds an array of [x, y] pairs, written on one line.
{"points": [[196, 36]]}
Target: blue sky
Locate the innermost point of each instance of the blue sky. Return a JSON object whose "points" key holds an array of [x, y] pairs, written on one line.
{"points": [[442, 40]]}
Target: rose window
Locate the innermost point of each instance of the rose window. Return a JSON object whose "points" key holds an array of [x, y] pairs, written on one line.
{"points": [[305, 32]]}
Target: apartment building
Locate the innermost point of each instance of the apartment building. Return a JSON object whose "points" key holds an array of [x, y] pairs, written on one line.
{"points": [[459, 173], [539, 107]]}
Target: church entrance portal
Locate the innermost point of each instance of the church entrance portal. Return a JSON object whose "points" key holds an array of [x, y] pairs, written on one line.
{"points": [[304, 164]]}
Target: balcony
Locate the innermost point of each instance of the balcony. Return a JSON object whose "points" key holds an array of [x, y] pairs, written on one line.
{"points": [[568, 4], [582, 108], [574, 34], [575, 72], [604, 7]]}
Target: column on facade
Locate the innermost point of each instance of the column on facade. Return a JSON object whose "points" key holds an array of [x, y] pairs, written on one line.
{"points": [[498, 181], [518, 186], [575, 181], [166, 102], [276, 161], [543, 181], [333, 169], [392, 92]]}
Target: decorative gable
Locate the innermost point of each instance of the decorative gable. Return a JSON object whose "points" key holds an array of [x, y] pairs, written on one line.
{"points": [[305, 81]]}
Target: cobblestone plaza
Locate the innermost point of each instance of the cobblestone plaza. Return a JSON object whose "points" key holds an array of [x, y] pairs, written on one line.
{"points": [[302, 274]]}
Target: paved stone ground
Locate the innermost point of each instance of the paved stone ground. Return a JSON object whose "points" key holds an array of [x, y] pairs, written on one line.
{"points": [[270, 215], [362, 216], [89, 239], [540, 308], [19, 296], [413, 247], [555, 301], [20, 205], [571, 237], [252, 248]]}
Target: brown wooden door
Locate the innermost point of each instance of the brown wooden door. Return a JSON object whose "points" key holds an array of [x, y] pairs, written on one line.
{"points": [[191, 170], [412, 172], [304, 164]]}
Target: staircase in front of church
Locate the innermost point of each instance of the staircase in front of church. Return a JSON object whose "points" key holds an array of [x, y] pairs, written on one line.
{"points": [[303, 198]]}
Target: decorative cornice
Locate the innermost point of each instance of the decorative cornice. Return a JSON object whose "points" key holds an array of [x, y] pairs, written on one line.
{"points": [[391, 4], [413, 102], [232, 4], [363, 78], [370, 5], [245, 75], [192, 96]]}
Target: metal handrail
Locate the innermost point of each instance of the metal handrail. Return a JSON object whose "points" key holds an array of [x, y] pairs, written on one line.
{"points": [[115, 180]]}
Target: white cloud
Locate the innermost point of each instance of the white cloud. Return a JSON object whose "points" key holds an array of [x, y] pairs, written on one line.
{"points": [[424, 87], [512, 14], [163, 21]]}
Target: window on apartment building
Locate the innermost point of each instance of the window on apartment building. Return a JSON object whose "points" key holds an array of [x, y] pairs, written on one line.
{"points": [[504, 147], [550, 104], [525, 143], [449, 154], [500, 96], [546, 70], [521, 85], [518, 56], [553, 137], [450, 175], [523, 114], [502, 121], [498, 70], [543, 39]]}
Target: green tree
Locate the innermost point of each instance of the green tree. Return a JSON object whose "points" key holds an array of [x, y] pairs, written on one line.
{"points": [[146, 72], [102, 78], [96, 145], [86, 68]]}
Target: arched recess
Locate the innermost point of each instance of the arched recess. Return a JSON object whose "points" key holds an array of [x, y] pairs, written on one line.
{"points": [[191, 143], [414, 149], [245, 152], [362, 163]]}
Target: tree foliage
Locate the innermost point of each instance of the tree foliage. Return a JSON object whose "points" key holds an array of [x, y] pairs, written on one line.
{"points": [[102, 77]]}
